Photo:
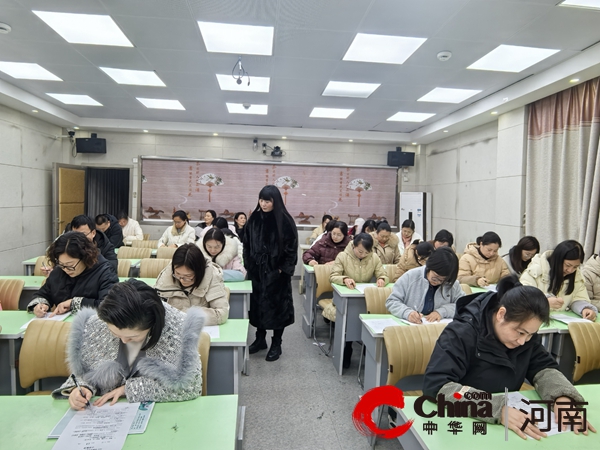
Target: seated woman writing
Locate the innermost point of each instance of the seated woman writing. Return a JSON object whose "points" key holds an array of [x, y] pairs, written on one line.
{"points": [[492, 344], [137, 347], [84, 279], [326, 249], [192, 280], [223, 251], [480, 265]]}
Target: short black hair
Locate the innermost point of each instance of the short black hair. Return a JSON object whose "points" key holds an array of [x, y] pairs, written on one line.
{"points": [[384, 226], [212, 212], [408, 223], [81, 220], [122, 215], [489, 238], [220, 222], [182, 215], [343, 227], [101, 219], [365, 239], [76, 245], [444, 262], [444, 236], [190, 256], [521, 302], [325, 217], [330, 226], [134, 305], [369, 224]]}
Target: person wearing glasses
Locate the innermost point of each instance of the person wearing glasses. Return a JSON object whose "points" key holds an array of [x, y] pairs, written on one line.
{"points": [[180, 233], [86, 225], [414, 256], [518, 258], [83, 280], [326, 249], [427, 292], [193, 280]]}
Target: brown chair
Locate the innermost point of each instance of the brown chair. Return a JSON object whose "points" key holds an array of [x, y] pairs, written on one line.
{"points": [[134, 253], [39, 263], [586, 339], [10, 293], [43, 352], [390, 271], [144, 244], [204, 350], [124, 267], [146, 236], [165, 253], [466, 288], [324, 289], [151, 267]]}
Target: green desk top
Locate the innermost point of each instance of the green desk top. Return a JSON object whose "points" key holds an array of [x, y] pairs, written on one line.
{"points": [[345, 292], [442, 439], [31, 261], [234, 331], [366, 317], [239, 287], [12, 321], [31, 282], [308, 268], [206, 422]]}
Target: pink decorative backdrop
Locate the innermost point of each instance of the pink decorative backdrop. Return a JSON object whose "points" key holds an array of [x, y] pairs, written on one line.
{"points": [[229, 187]]}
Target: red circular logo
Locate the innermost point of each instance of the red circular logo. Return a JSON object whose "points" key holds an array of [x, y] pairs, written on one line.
{"points": [[363, 412]]}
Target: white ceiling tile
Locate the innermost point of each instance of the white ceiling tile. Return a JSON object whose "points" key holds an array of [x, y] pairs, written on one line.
{"points": [[188, 80], [284, 67], [175, 60], [263, 13], [338, 15], [295, 43], [119, 57], [173, 9], [67, 6], [161, 33]]}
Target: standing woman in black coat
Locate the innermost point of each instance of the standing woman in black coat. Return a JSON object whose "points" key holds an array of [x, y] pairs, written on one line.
{"points": [[270, 255]]}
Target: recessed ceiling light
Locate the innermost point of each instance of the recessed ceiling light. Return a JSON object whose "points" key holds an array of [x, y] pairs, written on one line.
{"points": [[239, 108], [331, 113], [257, 84], [512, 58], [378, 48], [350, 140], [134, 77], [410, 117], [414, 143], [445, 131], [215, 134], [240, 39], [85, 28], [159, 103], [27, 71], [347, 89], [493, 113], [76, 128], [593, 4], [574, 80], [34, 111], [283, 137], [446, 95], [75, 99], [145, 131]]}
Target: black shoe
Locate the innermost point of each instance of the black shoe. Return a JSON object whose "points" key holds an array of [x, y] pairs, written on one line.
{"points": [[347, 355], [259, 344], [274, 351]]}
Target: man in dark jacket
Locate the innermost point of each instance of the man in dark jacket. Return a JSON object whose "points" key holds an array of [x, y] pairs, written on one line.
{"points": [[109, 225], [85, 225]]}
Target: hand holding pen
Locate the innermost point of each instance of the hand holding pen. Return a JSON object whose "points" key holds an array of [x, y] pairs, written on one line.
{"points": [[79, 399]]}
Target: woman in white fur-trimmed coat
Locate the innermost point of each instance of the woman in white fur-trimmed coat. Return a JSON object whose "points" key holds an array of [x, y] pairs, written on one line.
{"points": [[223, 251], [136, 346]]}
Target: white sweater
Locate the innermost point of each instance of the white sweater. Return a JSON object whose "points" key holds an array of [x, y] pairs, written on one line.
{"points": [[132, 231], [184, 236]]}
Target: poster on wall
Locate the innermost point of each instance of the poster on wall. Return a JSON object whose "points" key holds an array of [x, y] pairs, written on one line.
{"points": [[308, 191]]}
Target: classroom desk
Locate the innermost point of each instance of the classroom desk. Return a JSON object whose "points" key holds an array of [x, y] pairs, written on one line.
{"points": [[29, 265], [301, 249], [239, 298], [10, 345], [349, 304], [152, 254], [310, 301], [205, 422], [228, 357], [416, 439]]}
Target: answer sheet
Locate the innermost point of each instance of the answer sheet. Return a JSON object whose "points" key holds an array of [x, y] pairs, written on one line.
{"points": [[212, 330], [567, 319], [515, 400], [378, 325], [103, 428], [426, 322], [56, 318]]}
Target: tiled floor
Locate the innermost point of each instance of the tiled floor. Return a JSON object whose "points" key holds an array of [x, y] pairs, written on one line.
{"points": [[300, 402]]}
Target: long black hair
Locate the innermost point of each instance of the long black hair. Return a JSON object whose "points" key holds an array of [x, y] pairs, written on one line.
{"points": [[566, 250], [515, 254], [134, 305], [521, 302]]}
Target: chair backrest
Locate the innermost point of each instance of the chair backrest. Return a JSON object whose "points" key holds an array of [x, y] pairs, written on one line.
{"points": [[390, 271], [204, 350], [144, 244], [466, 288], [44, 351], [375, 298], [37, 270], [322, 274], [165, 252], [409, 349], [124, 267], [10, 293], [151, 267], [134, 253], [586, 339], [146, 236]]}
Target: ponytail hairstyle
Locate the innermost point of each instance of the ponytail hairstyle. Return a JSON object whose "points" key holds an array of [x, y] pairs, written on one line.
{"points": [[214, 234], [220, 222], [134, 305], [408, 223], [527, 243], [444, 262], [522, 303], [489, 238], [566, 250], [182, 215], [423, 251], [365, 239]]}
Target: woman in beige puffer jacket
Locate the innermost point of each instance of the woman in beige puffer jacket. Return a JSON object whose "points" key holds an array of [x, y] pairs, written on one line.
{"points": [[385, 244], [480, 265], [591, 275]]}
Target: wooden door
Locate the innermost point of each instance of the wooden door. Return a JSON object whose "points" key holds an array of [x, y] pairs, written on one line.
{"points": [[68, 199]]}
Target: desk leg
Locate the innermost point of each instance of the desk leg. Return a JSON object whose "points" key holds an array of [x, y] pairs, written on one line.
{"points": [[13, 368], [308, 320], [339, 339], [236, 369], [29, 270], [246, 305]]}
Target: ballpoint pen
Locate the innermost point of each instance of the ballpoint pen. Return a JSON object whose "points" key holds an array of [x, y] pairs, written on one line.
{"points": [[87, 402]]}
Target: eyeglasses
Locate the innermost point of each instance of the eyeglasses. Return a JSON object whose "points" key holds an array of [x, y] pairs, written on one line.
{"points": [[67, 268], [436, 279], [183, 277]]}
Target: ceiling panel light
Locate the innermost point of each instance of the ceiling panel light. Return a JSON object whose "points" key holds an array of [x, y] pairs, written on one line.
{"points": [[410, 117], [446, 95], [347, 89], [593, 4], [85, 28], [27, 71], [257, 84], [573, 80], [239, 39], [75, 99], [244, 108], [331, 113], [378, 48], [159, 103], [512, 58], [135, 77]]}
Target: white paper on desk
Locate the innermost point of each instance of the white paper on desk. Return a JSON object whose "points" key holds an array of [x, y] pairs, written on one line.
{"points": [[514, 401], [361, 286], [490, 287], [212, 330], [140, 422], [57, 318], [426, 322], [567, 319], [378, 325], [103, 428]]}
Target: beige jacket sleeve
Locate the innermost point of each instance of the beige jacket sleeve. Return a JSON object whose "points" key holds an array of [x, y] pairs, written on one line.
{"points": [[465, 271], [592, 284], [217, 311], [396, 255], [527, 279], [379, 271], [505, 270], [337, 273]]}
